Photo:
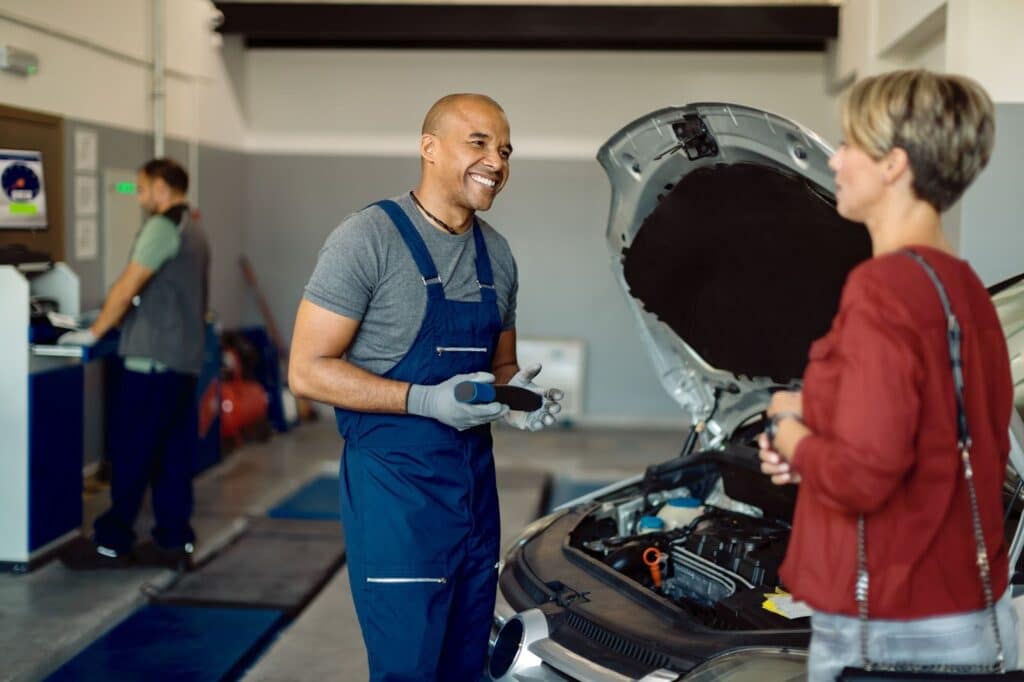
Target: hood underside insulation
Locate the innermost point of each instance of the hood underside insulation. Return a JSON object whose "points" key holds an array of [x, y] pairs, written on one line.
{"points": [[746, 264]]}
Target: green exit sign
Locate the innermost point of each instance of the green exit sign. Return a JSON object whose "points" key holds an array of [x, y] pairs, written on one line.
{"points": [[125, 188]]}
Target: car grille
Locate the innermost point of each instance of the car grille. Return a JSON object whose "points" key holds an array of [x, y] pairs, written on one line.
{"points": [[616, 643]]}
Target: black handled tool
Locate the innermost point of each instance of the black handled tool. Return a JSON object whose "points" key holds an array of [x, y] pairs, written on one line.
{"points": [[517, 398]]}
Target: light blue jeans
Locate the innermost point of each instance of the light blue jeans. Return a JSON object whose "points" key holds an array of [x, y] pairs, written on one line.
{"points": [[965, 638]]}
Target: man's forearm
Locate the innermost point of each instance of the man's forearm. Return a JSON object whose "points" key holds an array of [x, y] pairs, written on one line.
{"points": [[114, 308], [504, 373], [340, 383]]}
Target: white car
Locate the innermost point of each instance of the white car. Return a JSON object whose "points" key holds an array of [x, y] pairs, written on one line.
{"points": [[723, 233]]}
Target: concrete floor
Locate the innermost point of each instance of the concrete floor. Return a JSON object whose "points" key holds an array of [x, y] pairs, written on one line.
{"points": [[49, 615]]}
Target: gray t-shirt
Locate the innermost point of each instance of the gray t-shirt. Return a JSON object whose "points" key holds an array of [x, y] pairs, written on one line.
{"points": [[366, 272]]}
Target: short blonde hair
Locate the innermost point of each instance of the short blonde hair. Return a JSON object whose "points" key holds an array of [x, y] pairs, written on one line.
{"points": [[944, 123]]}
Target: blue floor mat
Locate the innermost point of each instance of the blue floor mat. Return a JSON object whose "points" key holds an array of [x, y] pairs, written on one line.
{"points": [[317, 500], [564, 489], [164, 643]]}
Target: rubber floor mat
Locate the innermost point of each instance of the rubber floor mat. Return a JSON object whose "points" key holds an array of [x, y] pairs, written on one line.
{"points": [[318, 499], [274, 564], [172, 643]]}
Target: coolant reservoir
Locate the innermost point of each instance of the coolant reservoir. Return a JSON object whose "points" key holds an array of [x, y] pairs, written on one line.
{"points": [[650, 524], [680, 511]]}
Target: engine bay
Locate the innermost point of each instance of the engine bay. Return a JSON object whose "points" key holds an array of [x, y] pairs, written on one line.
{"points": [[691, 534]]}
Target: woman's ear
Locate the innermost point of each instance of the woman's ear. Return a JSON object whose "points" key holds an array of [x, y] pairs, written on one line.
{"points": [[895, 165]]}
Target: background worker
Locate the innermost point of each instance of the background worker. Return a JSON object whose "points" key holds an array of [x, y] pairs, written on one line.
{"points": [[159, 300], [418, 294]]}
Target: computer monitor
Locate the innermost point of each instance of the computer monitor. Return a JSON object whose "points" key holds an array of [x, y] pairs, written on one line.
{"points": [[22, 190]]}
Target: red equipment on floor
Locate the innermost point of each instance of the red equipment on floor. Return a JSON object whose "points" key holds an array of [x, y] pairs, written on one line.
{"points": [[243, 403]]}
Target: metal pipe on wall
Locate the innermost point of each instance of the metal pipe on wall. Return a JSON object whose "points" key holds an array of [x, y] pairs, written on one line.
{"points": [[193, 147], [159, 91]]}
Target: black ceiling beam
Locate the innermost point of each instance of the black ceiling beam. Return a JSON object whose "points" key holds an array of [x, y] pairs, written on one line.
{"points": [[681, 27]]}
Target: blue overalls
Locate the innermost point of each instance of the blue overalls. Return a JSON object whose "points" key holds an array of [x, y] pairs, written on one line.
{"points": [[418, 498]]}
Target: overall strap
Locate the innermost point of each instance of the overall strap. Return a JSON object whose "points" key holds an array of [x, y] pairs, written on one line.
{"points": [[484, 275], [418, 249]]}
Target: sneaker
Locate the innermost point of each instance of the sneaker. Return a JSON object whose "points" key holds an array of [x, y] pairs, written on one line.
{"points": [[83, 554], [149, 553]]}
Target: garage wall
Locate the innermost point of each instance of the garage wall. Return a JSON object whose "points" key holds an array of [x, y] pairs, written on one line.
{"points": [[966, 37], [990, 212], [984, 42], [95, 71], [560, 103], [95, 65], [977, 39], [220, 187], [332, 131], [552, 212], [285, 143]]}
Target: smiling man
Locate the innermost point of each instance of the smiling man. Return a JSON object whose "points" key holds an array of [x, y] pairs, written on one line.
{"points": [[411, 296]]}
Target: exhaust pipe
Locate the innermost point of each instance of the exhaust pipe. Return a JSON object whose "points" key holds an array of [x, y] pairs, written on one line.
{"points": [[511, 658]]}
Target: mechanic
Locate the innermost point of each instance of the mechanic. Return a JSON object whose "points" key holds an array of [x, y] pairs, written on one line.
{"points": [[875, 438], [160, 302], [409, 297]]}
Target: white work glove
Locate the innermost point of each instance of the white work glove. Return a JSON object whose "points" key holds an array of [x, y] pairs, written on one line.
{"points": [[83, 337], [539, 418], [438, 402]]}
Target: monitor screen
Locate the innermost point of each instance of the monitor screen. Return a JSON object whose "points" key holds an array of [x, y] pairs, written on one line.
{"points": [[22, 191]]}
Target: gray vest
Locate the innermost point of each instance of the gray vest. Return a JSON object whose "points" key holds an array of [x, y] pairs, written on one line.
{"points": [[167, 322]]}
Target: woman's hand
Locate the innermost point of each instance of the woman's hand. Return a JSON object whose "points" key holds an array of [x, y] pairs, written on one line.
{"points": [[774, 464], [776, 456], [786, 401]]}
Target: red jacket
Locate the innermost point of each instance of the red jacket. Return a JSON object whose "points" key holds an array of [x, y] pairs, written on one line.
{"points": [[878, 396]]}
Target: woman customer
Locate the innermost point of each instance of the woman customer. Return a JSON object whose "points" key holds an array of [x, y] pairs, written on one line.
{"points": [[874, 432]]}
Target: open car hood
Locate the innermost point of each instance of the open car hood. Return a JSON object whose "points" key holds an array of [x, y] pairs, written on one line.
{"points": [[724, 235]]}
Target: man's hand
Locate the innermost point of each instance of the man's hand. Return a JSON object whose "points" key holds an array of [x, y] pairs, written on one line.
{"points": [[119, 298], [84, 338], [438, 402], [545, 415]]}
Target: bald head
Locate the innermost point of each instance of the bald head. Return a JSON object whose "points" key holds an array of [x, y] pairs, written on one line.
{"points": [[443, 108], [464, 154]]}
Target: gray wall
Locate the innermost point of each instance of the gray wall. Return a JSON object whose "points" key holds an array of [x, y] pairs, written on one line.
{"points": [[991, 224], [222, 205], [554, 214], [221, 201], [279, 209], [115, 149]]}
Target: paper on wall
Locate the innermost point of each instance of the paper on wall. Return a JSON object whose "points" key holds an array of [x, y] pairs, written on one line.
{"points": [[86, 195], [86, 247]]}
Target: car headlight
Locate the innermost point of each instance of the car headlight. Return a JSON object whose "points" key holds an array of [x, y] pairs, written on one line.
{"points": [[534, 528], [753, 665]]}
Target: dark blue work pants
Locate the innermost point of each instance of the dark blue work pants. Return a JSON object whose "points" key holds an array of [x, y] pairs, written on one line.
{"points": [[154, 442]]}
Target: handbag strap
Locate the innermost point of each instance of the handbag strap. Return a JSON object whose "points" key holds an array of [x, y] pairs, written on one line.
{"points": [[954, 338]]}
